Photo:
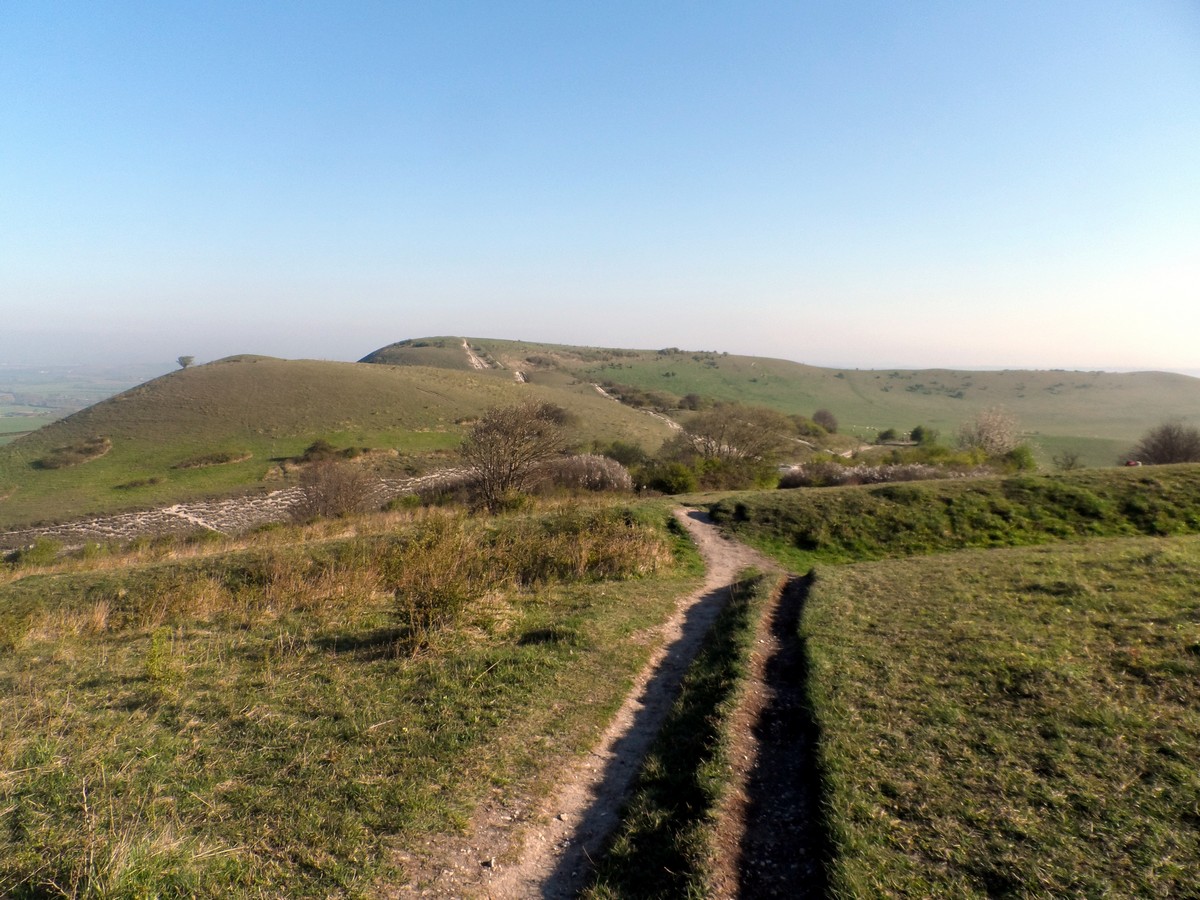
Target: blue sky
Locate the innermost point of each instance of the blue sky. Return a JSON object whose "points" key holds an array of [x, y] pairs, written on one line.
{"points": [[961, 184]]}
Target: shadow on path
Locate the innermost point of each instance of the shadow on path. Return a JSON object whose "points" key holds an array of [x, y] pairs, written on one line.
{"points": [[625, 760], [785, 845]]}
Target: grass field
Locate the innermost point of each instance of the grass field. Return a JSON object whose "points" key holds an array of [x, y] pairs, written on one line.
{"points": [[281, 716], [1017, 722]]}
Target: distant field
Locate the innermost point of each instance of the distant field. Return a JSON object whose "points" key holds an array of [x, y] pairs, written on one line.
{"points": [[1020, 723]]}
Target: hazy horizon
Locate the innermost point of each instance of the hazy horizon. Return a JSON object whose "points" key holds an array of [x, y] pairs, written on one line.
{"points": [[929, 185]]}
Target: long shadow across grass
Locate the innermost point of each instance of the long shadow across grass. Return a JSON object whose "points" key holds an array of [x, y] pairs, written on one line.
{"points": [[785, 846]]}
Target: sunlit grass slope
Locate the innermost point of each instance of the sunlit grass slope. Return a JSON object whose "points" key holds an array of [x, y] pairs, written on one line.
{"points": [[1098, 414], [1016, 722], [258, 409], [299, 712]]}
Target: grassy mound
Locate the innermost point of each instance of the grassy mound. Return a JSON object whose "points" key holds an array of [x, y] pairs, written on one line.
{"points": [[74, 454], [852, 523]]}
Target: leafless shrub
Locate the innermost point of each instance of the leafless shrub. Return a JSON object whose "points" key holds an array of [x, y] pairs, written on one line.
{"points": [[507, 444], [1171, 442], [331, 488]]}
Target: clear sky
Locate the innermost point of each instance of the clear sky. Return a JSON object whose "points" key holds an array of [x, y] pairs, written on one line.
{"points": [[958, 183]]}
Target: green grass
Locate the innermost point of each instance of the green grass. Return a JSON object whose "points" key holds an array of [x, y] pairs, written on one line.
{"points": [[665, 843], [1099, 414], [270, 409], [1018, 722], [271, 717], [808, 525]]}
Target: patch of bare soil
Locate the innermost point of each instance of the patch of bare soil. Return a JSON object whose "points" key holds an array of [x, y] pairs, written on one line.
{"points": [[772, 840], [523, 852]]}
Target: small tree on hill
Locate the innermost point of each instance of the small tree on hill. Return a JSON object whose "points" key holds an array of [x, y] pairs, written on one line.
{"points": [[1171, 442], [505, 447], [185, 361]]}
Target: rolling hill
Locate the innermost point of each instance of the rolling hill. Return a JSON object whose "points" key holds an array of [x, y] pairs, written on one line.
{"points": [[413, 399], [254, 411], [1098, 414]]}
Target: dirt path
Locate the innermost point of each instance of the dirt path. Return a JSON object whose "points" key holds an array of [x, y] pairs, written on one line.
{"points": [[671, 423], [558, 839], [475, 361], [772, 840]]}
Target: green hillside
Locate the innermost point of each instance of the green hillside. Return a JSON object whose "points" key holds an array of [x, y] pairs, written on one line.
{"points": [[257, 410], [1098, 414]]}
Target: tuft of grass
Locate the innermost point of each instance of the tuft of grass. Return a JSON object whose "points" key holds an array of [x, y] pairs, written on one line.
{"points": [[1014, 722], [663, 846]]}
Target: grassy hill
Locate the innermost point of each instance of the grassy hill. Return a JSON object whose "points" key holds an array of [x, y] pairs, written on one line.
{"points": [[256, 409], [1098, 414]]}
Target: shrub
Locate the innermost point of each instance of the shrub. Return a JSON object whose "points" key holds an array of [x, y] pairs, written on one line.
{"points": [[826, 420], [626, 453], [330, 489], [994, 431], [1170, 442], [74, 454], [669, 478], [505, 447]]}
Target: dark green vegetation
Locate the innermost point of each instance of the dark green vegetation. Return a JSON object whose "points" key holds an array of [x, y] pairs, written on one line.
{"points": [[665, 843], [854, 523], [1019, 721], [255, 415], [1012, 723], [281, 715]]}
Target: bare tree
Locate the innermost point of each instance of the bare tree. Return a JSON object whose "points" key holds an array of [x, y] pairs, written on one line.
{"points": [[185, 361], [505, 447], [1171, 442], [994, 431]]}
